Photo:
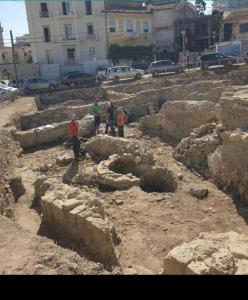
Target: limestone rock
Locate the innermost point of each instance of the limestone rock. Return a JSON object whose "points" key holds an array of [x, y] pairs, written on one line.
{"points": [[78, 217], [191, 114], [209, 253], [198, 192], [104, 146], [88, 176], [64, 160]]}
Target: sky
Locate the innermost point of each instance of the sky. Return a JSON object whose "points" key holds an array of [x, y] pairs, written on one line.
{"points": [[13, 17]]}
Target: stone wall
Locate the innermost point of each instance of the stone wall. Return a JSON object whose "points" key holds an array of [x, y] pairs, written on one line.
{"points": [[86, 95], [78, 218], [234, 110], [141, 104], [52, 133], [228, 165], [177, 119]]}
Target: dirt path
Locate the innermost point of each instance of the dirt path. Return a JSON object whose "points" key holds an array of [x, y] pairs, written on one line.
{"points": [[15, 109]]}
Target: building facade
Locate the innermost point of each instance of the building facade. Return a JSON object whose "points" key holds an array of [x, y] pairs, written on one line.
{"points": [[229, 5], [129, 27], [23, 59], [67, 36], [165, 17]]}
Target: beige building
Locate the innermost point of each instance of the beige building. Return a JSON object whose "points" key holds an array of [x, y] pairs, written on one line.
{"points": [[67, 36], [164, 28], [23, 59]]}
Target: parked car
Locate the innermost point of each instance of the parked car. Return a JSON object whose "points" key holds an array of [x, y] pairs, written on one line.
{"points": [[15, 83], [163, 66], [7, 92], [215, 59], [121, 72], [77, 79], [101, 72], [142, 66], [37, 84]]}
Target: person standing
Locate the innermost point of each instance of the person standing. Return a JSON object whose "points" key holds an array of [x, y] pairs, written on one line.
{"points": [[96, 109], [121, 120], [110, 119], [73, 130]]}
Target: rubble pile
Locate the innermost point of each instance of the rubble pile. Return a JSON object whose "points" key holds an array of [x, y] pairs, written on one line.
{"points": [[209, 254]]}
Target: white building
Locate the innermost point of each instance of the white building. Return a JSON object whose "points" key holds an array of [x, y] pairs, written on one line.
{"points": [[67, 36], [229, 5]]}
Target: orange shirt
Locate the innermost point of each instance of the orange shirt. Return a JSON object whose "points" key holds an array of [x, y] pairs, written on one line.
{"points": [[121, 119], [73, 128]]}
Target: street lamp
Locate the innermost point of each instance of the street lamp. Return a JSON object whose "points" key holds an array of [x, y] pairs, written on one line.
{"points": [[183, 34]]}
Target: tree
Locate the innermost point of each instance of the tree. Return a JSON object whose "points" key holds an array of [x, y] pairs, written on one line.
{"points": [[201, 6]]}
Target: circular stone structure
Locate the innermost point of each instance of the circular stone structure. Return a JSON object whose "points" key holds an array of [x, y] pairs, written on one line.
{"points": [[117, 172]]}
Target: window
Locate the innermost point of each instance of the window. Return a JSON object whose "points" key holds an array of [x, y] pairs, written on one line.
{"points": [[92, 53], [129, 24], [112, 26], [66, 8], [68, 32], [88, 8], [145, 26], [44, 10], [47, 36], [49, 55], [243, 28], [71, 55], [90, 29], [43, 6]]}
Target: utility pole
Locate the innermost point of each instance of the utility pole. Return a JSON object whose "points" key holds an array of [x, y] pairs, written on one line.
{"points": [[13, 54]]}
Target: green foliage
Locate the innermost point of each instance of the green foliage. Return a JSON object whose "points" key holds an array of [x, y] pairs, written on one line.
{"points": [[134, 53], [201, 6]]}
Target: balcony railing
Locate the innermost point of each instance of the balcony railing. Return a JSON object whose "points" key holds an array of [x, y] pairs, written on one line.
{"points": [[66, 14], [132, 35], [67, 37], [44, 14]]}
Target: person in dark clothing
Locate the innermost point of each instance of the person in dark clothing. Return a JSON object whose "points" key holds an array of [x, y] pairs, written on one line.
{"points": [[96, 109], [110, 119], [74, 133]]}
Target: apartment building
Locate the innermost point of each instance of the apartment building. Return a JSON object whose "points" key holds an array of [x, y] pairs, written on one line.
{"points": [[67, 36], [165, 17], [229, 5], [129, 27]]}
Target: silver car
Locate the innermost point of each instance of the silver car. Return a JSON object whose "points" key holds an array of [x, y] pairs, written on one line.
{"points": [[37, 84], [164, 66]]}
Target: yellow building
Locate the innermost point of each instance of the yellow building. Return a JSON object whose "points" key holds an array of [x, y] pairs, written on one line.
{"points": [[235, 25], [129, 27]]}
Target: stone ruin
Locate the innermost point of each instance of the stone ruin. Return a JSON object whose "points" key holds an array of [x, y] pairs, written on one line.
{"points": [[209, 254], [78, 217], [208, 122]]}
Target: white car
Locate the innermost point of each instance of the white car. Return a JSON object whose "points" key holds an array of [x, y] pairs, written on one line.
{"points": [[7, 92], [4, 89], [123, 72]]}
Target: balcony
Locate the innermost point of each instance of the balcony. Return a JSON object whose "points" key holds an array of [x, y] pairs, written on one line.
{"points": [[71, 37], [132, 35], [90, 37], [66, 14], [44, 14]]}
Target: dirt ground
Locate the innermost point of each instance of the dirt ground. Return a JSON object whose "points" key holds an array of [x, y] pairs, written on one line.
{"points": [[149, 224]]}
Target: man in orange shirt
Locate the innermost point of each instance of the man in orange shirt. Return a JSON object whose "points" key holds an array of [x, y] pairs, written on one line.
{"points": [[121, 119], [74, 133]]}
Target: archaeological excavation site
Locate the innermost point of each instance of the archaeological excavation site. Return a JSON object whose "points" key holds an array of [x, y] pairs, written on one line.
{"points": [[169, 198]]}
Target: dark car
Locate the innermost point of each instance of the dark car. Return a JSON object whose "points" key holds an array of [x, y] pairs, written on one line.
{"points": [[163, 66], [215, 59], [37, 84], [78, 79]]}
